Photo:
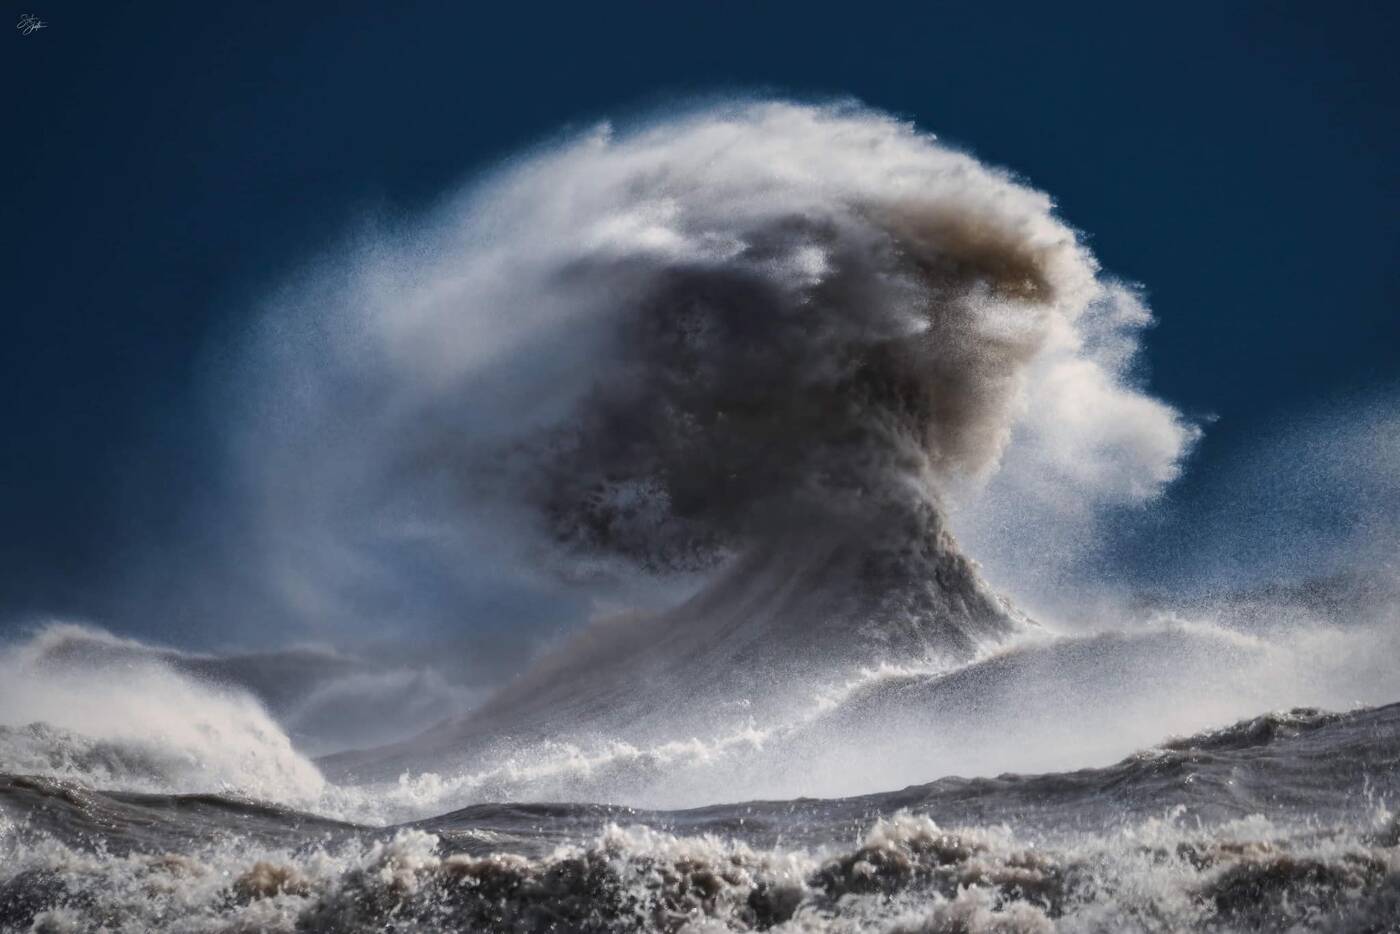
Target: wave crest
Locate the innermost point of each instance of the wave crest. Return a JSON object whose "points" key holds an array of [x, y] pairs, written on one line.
{"points": [[669, 345]]}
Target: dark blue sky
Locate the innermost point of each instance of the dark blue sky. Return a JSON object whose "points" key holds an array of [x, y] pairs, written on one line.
{"points": [[166, 164]]}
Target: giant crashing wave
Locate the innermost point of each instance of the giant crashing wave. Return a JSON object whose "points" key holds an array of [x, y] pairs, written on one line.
{"points": [[752, 349]]}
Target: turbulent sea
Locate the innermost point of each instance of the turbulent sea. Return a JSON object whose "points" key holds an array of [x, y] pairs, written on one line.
{"points": [[722, 402], [1274, 823]]}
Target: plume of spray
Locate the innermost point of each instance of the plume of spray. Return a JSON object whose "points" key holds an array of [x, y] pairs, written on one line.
{"points": [[661, 348], [750, 351]]}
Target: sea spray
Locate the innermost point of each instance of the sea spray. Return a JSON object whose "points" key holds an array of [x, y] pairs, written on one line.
{"points": [[750, 349]]}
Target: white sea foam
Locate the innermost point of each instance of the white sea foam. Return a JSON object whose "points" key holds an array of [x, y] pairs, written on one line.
{"points": [[907, 874]]}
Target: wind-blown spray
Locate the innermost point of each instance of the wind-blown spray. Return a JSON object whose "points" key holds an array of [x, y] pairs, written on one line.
{"points": [[755, 343]]}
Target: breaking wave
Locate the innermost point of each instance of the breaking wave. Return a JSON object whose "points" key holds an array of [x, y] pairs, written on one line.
{"points": [[81, 704], [727, 367], [714, 383]]}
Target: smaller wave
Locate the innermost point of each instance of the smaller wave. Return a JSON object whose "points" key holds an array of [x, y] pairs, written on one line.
{"points": [[138, 724], [367, 706], [328, 700], [1258, 731]]}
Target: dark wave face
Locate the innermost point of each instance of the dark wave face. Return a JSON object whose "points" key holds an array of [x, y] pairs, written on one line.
{"points": [[742, 402]]}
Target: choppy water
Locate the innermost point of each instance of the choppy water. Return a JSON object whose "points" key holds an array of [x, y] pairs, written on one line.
{"points": [[1276, 823]]}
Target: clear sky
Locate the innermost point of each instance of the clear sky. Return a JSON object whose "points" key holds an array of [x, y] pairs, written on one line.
{"points": [[168, 164]]}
